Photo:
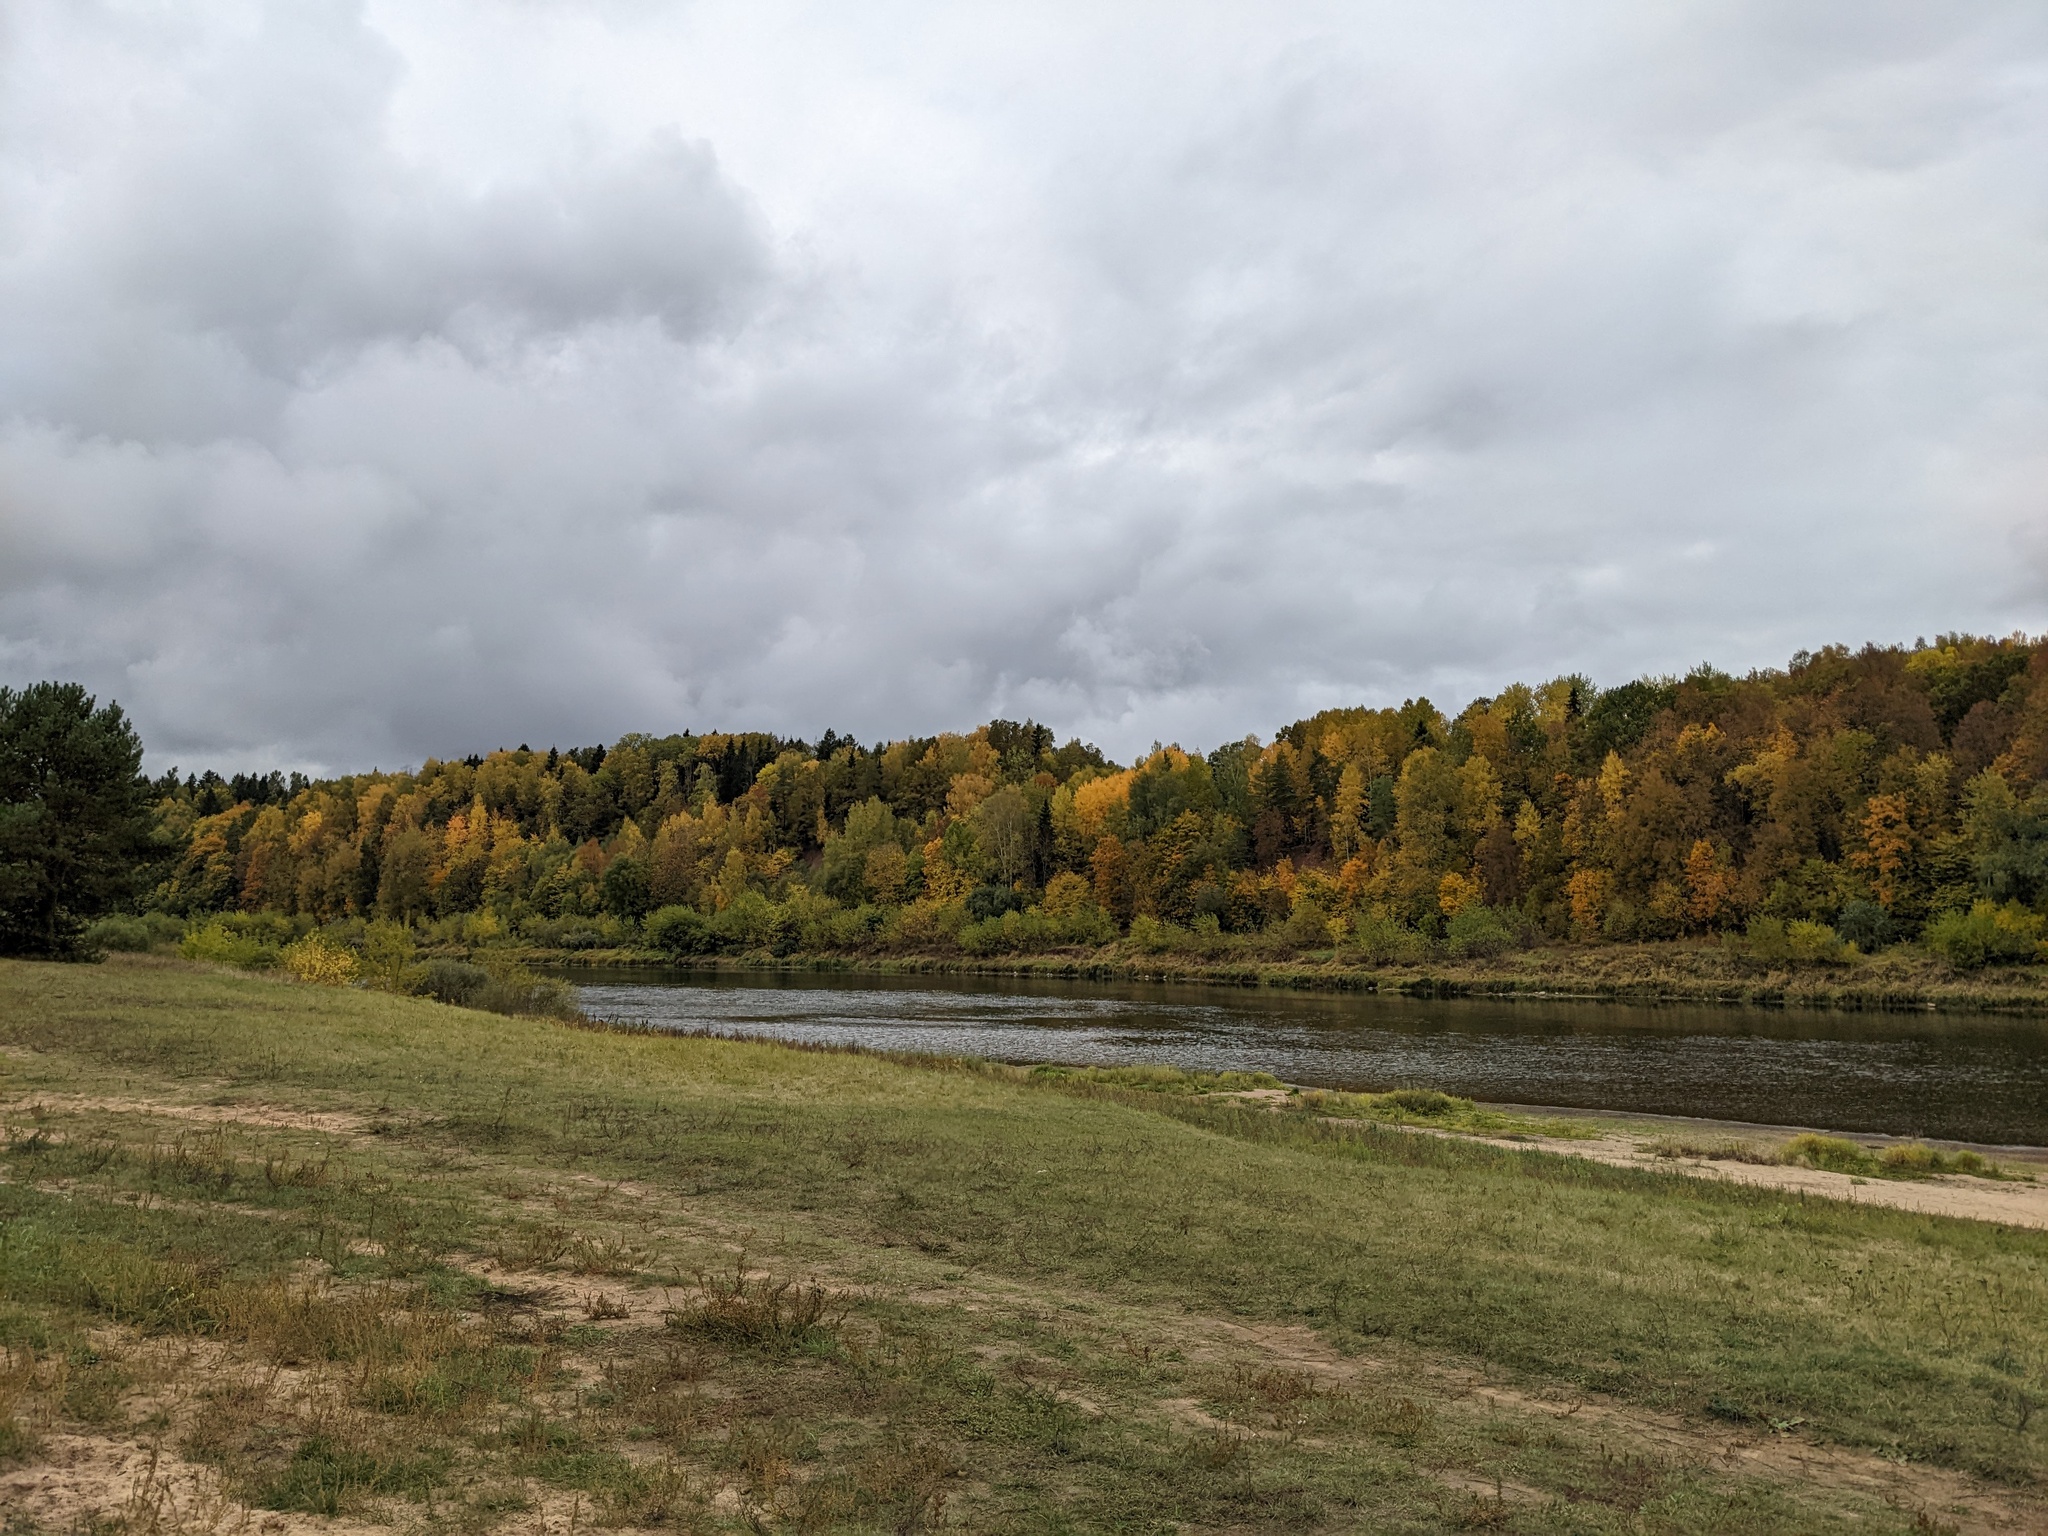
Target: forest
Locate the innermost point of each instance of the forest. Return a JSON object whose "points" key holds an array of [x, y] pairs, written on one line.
{"points": [[1852, 800]]}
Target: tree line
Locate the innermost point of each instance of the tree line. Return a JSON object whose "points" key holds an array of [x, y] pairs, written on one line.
{"points": [[1854, 796]]}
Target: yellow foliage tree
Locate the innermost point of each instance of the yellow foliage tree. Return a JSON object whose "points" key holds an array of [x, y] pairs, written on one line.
{"points": [[312, 959], [1587, 890], [1709, 882], [1456, 892], [1887, 845]]}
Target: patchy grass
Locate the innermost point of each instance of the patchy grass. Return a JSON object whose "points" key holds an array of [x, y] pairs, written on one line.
{"points": [[358, 1253], [1908, 1160], [1398, 1106]]}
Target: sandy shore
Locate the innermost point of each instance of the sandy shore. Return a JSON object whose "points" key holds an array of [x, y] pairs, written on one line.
{"points": [[1641, 1141]]}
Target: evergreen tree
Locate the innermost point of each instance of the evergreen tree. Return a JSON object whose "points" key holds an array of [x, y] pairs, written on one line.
{"points": [[74, 816]]}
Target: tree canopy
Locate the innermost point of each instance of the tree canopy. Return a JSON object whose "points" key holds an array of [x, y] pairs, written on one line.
{"points": [[1871, 789]]}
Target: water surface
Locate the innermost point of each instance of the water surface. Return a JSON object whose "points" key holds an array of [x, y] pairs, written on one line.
{"points": [[1973, 1078]]}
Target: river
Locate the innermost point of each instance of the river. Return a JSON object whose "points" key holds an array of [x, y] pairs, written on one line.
{"points": [[1979, 1078]]}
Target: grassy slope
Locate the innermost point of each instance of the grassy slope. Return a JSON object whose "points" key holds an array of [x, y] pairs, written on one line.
{"points": [[1074, 1299], [1678, 972]]}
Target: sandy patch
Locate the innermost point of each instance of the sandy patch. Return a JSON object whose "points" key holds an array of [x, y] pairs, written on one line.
{"points": [[78, 1479], [272, 1117], [2012, 1203]]}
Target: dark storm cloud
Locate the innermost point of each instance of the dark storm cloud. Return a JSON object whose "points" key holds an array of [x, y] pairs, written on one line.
{"points": [[391, 381]]}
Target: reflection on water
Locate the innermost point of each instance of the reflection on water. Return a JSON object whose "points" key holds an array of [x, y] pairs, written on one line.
{"points": [[1971, 1078]]}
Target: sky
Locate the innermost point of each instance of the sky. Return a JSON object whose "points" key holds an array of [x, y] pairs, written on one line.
{"points": [[417, 377]]}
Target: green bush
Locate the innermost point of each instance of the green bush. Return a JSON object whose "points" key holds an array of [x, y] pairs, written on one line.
{"points": [[1772, 938], [218, 944], [679, 931], [129, 935], [1906, 1160], [1422, 1101], [1478, 931], [751, 921], [1987, 934], [1306, 927], [516, 990], [1385, 940], [449, 981], [1866, 925], [1150, 936]]}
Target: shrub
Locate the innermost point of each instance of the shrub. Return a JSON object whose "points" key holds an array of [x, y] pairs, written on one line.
{"points": [[1987, 934], [987, 901], [1306, 927], [217, 944], [1907, 1160], [926, 922], [387, 951], [1012, 933], [449, 981], [1150, 936], [1426, 1102], [1866, 925], [679, 931], [1379, 940], [1837, 1154], [1771, 938], [1086, 924], [313, 959], [511, 988], [129, 935], [749, 922], [1477, 931]]}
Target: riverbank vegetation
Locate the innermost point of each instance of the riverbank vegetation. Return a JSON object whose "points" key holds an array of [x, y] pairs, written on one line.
{"points": [[1799, 819], [320, 1249]]}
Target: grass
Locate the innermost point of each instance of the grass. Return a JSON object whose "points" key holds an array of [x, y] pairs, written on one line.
{"points": [[351, 1252]]}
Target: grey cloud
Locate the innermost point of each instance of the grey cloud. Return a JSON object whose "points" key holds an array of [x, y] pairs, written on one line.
{"points": [[1342, 354]]}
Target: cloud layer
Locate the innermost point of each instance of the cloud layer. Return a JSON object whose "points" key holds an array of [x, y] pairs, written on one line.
{"points": [[385, 380]]}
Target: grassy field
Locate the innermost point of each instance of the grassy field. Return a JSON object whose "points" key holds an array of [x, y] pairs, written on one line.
{"points": [[335, 1254]]}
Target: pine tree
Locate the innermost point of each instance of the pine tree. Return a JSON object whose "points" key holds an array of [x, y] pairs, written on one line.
{"points": [[74, 816]]}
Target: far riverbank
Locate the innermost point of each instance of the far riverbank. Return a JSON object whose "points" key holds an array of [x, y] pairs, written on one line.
{"points": [[1892, 981]]}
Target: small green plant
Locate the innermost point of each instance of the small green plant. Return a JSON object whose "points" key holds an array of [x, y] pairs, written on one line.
{"points": [[761, 1311], [1905, 1160], [1426, 1102], [328, 1476]]}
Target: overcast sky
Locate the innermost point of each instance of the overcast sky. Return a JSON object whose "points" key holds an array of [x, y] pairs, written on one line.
{"points": [[412, 378]]}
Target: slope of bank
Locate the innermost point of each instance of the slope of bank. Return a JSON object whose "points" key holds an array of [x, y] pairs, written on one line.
{"points": [[1636, 973]]}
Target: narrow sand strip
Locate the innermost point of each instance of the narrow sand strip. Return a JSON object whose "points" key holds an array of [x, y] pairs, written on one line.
{"points": [[2013, 1203]]}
